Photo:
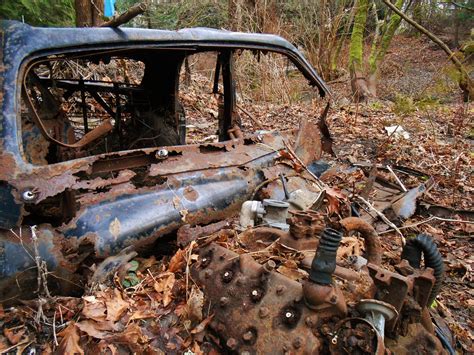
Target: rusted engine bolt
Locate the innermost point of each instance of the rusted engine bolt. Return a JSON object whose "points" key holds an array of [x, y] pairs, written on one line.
{"points": [[224, 301], [269, 266], [227, 276], [263, 312], [248, 336], [324, 262], [280, 289], [231, 343], [297, 343]]}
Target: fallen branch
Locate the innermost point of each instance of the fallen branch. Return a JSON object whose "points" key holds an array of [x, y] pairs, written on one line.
{"points": [[126, 16]]}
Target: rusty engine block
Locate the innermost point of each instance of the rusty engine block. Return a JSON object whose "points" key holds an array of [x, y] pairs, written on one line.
{"points": [[363, 309]]}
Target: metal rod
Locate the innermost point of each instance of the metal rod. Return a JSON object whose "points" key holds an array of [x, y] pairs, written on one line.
{"points": [[84, 106]]}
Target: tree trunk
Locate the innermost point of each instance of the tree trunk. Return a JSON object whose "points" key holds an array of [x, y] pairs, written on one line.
{"points": [[83, 13], [360, 90], [97, 9], [457, 24], [89, 13], [418, 11], [380, 51]]}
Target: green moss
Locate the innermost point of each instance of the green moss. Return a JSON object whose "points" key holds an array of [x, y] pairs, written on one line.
{"points": [[357, 36]]}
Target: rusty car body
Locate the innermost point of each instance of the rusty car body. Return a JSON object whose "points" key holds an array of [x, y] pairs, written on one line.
{"points": [[70, 190], [111, 200]]}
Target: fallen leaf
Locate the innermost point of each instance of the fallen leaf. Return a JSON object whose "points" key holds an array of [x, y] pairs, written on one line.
{"points": [[69, 343], [178, 261], [132, 335], [143, 314], [195, 304], [94, 309], [116, 306], [349, 246], [14, 335], [165, 286], [92, 329]]}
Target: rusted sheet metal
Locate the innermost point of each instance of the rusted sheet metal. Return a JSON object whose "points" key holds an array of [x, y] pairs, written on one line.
{"points": [[199, 185], [187, 234], [308, 144]]}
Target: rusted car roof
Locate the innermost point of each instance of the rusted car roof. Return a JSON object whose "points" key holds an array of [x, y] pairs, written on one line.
{"points": [[22, 40]]}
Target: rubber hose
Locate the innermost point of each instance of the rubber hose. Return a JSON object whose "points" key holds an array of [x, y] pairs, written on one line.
{"points": [[324, 262], [432, 257]]}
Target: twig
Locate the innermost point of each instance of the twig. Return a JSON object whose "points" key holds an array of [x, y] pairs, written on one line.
{"points": [[54, 329], [7, 350], [40, 264], [188, 262], [432, 218], [389, 168], [319, 183], [253, 119], [383, 217]]}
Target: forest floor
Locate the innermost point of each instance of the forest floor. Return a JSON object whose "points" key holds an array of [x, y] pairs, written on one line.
{"points": [[162, 311]]}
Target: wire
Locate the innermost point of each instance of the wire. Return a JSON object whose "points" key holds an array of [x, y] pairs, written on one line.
{"points": [[444, 341]]}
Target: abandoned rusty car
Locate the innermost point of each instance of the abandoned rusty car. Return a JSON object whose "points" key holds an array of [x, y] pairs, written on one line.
{"points": [[92, 165]]}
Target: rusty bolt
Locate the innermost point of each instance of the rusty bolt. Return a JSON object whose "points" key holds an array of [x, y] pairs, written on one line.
{"points": [[280, 289], [269, 266], [227, 276], [162, 153], [263, 312], [224, 301], [297, 343], [241, 281], [309, 322], [232, 343], [208, 274], [248, 336]]}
